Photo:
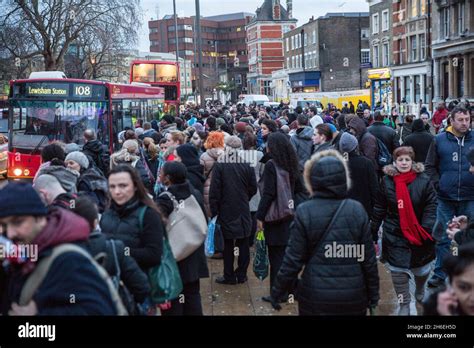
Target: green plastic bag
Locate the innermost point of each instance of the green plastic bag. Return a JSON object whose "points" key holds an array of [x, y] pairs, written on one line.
{"points": [[260, 262], [165, 280]]}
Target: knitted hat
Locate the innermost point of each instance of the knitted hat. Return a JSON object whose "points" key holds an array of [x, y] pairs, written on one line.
{"points": [[219, 122], [71, 148], [233, 142], [79, 158], [240, 127], [20, 199], [333, 127], [198, 127], [348, 142]]}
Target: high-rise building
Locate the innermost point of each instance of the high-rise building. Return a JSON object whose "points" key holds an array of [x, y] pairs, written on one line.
{"points": [[265, 44], [223, 45]]}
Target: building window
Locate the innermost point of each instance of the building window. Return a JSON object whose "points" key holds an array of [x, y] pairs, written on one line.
{"points": [[310, 60], [375, 23], [445, 24], [375, 57], [292, 43], [385, 20], [267, 89], [417, 88], [407, 89], [305, 39], [301, 61], [314, 37], [288, 62], [298, 40], [422, 47], [365, 56], [414, 48], [364, 34], [400, 52], [461, 16], [385, 54], [423, 7], [414, 8], [293, 65], [287, 44]]}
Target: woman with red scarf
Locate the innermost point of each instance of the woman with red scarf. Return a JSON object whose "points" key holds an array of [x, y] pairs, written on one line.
{"points": [[407, 206]]}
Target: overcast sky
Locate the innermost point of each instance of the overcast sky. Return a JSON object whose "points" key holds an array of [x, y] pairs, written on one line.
{"points": [[302, 10]]}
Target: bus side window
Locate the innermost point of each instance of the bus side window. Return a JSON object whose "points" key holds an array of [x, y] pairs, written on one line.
{"points": [[117, 121]]}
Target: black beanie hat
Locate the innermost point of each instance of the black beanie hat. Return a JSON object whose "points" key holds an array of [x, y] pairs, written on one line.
{"points": [[21, 199]]}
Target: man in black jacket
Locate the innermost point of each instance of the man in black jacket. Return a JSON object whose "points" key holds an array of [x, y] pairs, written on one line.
{"points": [[233, 184], [382, 132], [94, 149], [420, 140], [302, 141]]}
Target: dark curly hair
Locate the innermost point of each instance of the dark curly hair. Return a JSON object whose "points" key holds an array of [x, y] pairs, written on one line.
{"points": [[283, 154]]}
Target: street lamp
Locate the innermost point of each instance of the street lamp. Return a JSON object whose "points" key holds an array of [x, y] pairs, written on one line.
{"points": [[93, 61]]}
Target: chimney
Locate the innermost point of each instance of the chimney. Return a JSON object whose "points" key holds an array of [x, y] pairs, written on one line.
{"points": [[276, 10], [289, 8]]}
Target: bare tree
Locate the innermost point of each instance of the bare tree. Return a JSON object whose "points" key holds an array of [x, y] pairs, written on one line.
{"points": [[49, 27]]}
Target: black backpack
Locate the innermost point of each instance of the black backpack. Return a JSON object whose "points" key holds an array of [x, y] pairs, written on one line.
{"points": [[384, 157]]}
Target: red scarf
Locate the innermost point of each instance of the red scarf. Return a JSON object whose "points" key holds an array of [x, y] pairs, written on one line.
{"points": [[411, 228]]}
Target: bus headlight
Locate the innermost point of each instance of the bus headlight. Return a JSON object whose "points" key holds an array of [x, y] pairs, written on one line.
{"points": [[26, 172], [17, 172]]}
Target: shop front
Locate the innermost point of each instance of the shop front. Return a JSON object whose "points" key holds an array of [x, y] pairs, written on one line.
{"points": [[380, 89]]}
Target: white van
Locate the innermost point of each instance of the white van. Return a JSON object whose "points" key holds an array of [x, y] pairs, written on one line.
{"points": [[259, 99]]}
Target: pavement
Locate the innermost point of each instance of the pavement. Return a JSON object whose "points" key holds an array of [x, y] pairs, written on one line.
{"points": [[245, 299]]}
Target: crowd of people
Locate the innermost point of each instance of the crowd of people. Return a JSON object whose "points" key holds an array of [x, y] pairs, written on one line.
{"points": [[398, 189]]}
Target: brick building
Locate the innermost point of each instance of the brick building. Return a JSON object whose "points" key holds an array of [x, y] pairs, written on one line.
{"points": [[223, 43], [265, 44], [325, 54], [379, 56], [412, 54], [453, 49]]}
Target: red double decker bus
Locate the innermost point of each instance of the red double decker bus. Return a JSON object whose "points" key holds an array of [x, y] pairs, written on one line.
{"points": [[159, 73], [41, 111]]}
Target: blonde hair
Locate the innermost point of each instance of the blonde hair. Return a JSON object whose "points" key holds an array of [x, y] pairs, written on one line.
{"points": [[131, 146], [152, 149]]}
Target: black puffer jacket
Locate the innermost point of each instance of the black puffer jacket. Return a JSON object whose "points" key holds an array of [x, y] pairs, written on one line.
{"points": [[396, 249], [420, 140], [194, 266], [329, 285], [99, 154], [132, 276], [95, 186], [122, 223], [384, 133], [232, 187]]}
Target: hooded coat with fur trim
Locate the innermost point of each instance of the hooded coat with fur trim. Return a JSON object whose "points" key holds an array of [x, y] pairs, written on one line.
{"points": [[329, 285], [396, 249]]}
